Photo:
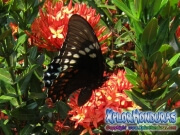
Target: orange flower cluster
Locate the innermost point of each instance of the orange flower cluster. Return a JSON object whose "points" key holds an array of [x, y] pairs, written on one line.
{"points": [[50, 28], [14, 28], [110, 95]]}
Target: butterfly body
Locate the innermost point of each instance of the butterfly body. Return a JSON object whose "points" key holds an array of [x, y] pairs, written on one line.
{"points": [[79, 64]]}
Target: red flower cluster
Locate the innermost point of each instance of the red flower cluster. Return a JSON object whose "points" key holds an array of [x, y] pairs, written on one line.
{"points": [[50, 28], [110, 95], [3, 116], [59, 127], [172, 104], [178, 33], [177, 104]]}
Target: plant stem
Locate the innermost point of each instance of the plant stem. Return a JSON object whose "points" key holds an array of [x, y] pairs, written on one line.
{"points": [[18, 93]]}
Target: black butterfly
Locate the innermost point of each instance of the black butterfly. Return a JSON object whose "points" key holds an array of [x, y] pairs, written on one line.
{"points": [[79, 64]]}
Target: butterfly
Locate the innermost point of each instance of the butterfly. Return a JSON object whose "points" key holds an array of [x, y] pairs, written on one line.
{"points": [[79, 64]]}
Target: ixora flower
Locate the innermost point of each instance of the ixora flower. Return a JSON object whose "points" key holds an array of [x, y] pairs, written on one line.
{"points": [[59, 127], [50, 28], [14, 28], [173, 104], [3, 116], [110, 95], [178, 33]]}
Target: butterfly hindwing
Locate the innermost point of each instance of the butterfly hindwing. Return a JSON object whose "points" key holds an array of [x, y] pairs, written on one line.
{"points": [[84, 95], [79, 64]]}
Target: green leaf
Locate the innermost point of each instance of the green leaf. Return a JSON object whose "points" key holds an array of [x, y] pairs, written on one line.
{"points": [[33, 52], [138, 29], [161, 36], [21, 40], [20, 4], [138, 7], [123, 39], [150, 32], [5, 34], [156, 57], [167, 51], [35, 95], [163, 3], [106, 11], [14, 102], [145, 132], [124, 8], [6, 88], [29, 4], [131, 76], [5, 98], [32, 105], [9, 98], [40, 59], [174, 59], [25, 114], [132, 79], [50, 128], [139, 53], [39, 73], [107, 6], [97, 131], [129, 71], [26, 72], [118, 26], [133, 8], [139, 101], [168, 95], [167, 70], [25, 83], [34, 13], [45, 110], [35, 82], [166, 10], [174, 76], [62, 109], [13, 59], [170, 9], [156, 7], [173, 28], [178, 121], [5, 76], [26, 130], [110, 62], [5, 128], [159, 94]]}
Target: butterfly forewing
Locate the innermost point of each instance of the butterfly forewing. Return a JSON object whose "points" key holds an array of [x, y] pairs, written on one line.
{"points": [[79, 64]]}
